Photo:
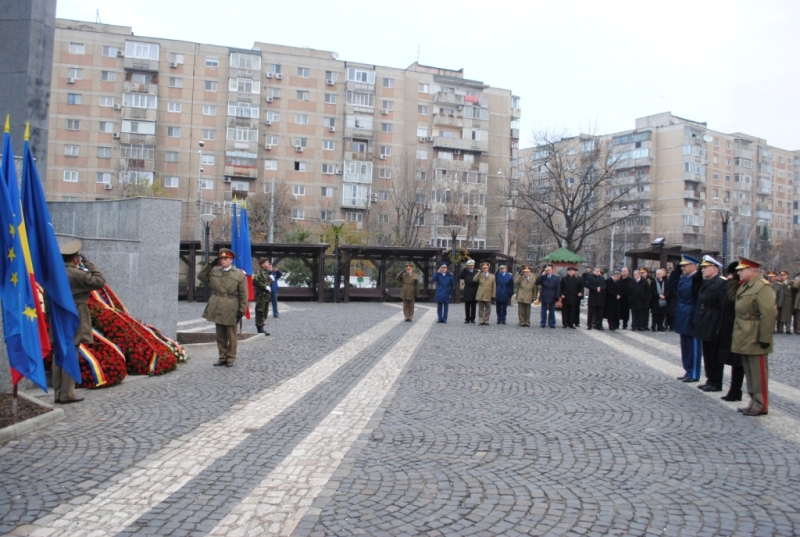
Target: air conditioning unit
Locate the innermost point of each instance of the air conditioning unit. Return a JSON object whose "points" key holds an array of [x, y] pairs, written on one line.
{"points": [[294, 197], [278, 76], [293, 221], [421, 138], [226, 179], [429, 138], [173, 64], [268, 123], [269, 99], [120, 54], [299, 148], [70, 80], [339, 172], [329, 82], [115, 135], [331, 129], [456, 151], [267, 147], [108, 186], [117, 106], [383, 157], [268, 75], [384, 111], [460, 107]]}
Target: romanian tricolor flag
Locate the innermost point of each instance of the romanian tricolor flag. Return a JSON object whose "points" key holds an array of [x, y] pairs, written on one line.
{"points": [[49, 267], [20, 316], [240, 244]]}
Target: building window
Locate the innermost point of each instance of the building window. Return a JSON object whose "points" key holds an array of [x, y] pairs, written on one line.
{"points": [[174, 107], [422, 109], [421, 176], [299, 190], [388, 82], [385, 173], [274, 68], [275, 93], [300, 142], [327, 169], [208, 134], [173, 132], [328, 145], [104, 178], [386, 151], [716, 142], [326, 215], [74, 98], [387, 105], [139, 100], [299, 166], [303, 72], [106, 126], [271, 140], [71, 151], [70, 176], [354, 217], [330, 98], [361, 75], [174, 57], [716, 177], [326, 191], [172, 156], [423, 88], [175, 82], [207, 160], [170, 181], [273, 117], [422, 131], [246, 110], [727, 145], [107, 101], [207, 184], [245, 61], [138, 127], [244, 85], [148, 51], [74, 72], [727, 178], [210, 85], [141, 78], [77, 48], [333, 76], [422, 154], [212, 61], [103, 152], [270, 164], [298, 214], [386, 127], [383, 218], [301, 119], [209, 110], [109, 52], [302, 95]]}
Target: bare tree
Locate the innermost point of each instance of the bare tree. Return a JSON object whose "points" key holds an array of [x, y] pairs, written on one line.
{"points": [[134, 181], [258, 213], [410, 196], [579, 186]]}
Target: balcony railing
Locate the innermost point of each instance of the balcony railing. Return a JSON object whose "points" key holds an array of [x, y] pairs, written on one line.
{"points": [[140, 64], [139, 114], [448, 120], [691, 194], [241, 172], [133, 87], [355, 203], [352, 132], [459, 143], [765, 215], [516, 113]]}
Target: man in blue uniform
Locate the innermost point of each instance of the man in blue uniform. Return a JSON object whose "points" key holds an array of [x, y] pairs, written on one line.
{"points": [[504, 282], [551, 291], [685, 284]]}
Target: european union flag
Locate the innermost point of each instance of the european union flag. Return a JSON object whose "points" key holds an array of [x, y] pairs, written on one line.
{"points": [[20, 326], [49, 268]]}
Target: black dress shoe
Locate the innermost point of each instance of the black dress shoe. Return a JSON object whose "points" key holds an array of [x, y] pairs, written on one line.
{"points": [[266, 333], [220, 364], [69, 401], [466, 322], [599, 328], [743, 409], [731, 397], [712, 389], [573, 327], [702, 386], [753, 413], [689, 379], [682, 378], [229, 364]]}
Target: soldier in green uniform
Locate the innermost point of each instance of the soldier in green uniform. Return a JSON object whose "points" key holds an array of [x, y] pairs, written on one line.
{"points": [[527, 288], [83, 278], [752, 333], [262, 283], [409, 281], [227, 303]]}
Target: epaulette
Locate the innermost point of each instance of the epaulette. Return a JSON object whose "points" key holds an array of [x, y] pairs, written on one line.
{"points": [[765, 281], [723, 278]]}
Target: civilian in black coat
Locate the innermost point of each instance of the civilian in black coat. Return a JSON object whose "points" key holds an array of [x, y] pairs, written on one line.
{"points": [[638, 299], [611, 311], [597, 298], [624, 306], [470, 291], [659, 299], [571, 294]]}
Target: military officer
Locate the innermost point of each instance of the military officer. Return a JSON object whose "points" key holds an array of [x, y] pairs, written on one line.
{"points": [[262, 282], [487, 290], [527, 286], [772, 278], [785, 309], [227, 303], [710, 303], [409, 283], [752, 333], [551, 291], [468, 274], [571, 295], [684, 283], [83, 278], [504, 287]]}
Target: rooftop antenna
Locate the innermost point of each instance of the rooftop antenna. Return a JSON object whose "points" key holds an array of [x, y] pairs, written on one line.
{"points": [[97, 18]]}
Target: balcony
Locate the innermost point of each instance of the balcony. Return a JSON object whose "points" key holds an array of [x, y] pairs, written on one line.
{"points": [[442, 97], [764, 188], [695, 177], [353, 132], [763, 207], [242, 122], [459, 143], [743, 210], [133, 138], [765, 215], [355, 155], [137, 164], [516, 113], [244, 73], [515, 134], [133, 87], [239, 172], [693, 229], [139, 114], [460, 165], [743, 153], [140, 64], [765, 169], [448, 120], [359, 86], [689, 211], [691, 194], [355, 203]]}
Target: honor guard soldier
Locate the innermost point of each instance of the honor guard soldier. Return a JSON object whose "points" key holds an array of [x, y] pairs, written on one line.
{"points": [[262, 283], [551, 291], [525, 292], [487, 290], [409, 283]]}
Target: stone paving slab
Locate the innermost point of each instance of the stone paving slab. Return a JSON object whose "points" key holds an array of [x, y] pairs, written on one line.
{"points": [[347, 421]]}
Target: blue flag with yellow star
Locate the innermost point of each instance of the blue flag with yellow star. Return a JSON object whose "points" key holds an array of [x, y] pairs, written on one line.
{"points": [[20, 320], [49, 268]]}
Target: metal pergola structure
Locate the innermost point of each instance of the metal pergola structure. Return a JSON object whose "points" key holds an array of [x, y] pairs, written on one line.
{"points": [[665, 254]]}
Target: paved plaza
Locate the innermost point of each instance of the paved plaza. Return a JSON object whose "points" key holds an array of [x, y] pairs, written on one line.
{"points": [[348, 421]]}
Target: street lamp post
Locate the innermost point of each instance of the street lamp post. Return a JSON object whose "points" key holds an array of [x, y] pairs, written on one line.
{"points": [[337, 227], [454, 229], [207, 219], [747, 239], [202, 144], [725, 215]]}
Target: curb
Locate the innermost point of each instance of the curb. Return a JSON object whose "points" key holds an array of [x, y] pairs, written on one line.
{"points": [[39, 422]]}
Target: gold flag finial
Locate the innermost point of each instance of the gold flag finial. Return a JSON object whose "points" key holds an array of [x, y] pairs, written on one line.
{"points": [[8, 122], [28, 131]]}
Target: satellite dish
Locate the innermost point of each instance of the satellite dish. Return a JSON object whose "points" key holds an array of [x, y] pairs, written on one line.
{"points": [[335, 55], [708, 138]]}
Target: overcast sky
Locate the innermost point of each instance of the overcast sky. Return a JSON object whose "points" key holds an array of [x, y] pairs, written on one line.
{"points": [[580, 66]]}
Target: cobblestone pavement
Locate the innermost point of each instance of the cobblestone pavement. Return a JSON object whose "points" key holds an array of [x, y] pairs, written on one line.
{"points": [[348, 421]]}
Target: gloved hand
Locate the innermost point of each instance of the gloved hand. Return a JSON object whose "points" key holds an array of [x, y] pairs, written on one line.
{"points": [[763, 345], [239, 317], [215, 263]]}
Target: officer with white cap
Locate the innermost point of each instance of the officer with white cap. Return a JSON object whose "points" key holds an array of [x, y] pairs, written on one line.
{"points": [[710, 302]]}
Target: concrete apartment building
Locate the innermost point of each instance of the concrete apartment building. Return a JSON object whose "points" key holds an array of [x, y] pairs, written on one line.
{"points": [[692, 175], [132, 108]]}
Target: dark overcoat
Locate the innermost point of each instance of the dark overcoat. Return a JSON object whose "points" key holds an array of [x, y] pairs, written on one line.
{"points": [[710, 302], [470, 285], [505, 286], [571, 286]]}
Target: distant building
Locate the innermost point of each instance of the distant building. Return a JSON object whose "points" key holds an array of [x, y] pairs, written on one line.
{"points": [[133, 108]]}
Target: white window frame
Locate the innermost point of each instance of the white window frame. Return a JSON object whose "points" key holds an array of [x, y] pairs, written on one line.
{"points": [[298, 214], [386, 150], [72, 151], [71, 176], [75, 72], [299, 166], [423, 88], [171, 181], [328, 169], [209, 110], [176, 82], [388, 82], [270, 140], [298, 190], [304, 72], [385, 173], [103, 178], [102, 151], [207, 160], [301, 119], [386, 127], [212, 61], [139, 100], [270, 164], [208, 134], [108, 76], [206, 184], [354, 217], [328, 145], [77, 48], [76, 98], [274, 117], [172, 156], [139, 49], [240, 134], [326, 192], [422, 154], [422, 109], [109, 51], [302, 95], [387, 105], [210, 85], [330, 98], [173, 132], [174, 108], [105, 126], [106, 101]]}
